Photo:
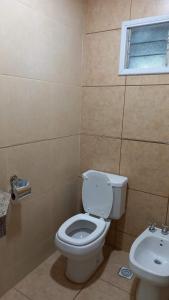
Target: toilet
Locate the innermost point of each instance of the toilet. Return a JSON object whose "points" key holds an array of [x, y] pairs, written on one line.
{"points": [[81, 238]]}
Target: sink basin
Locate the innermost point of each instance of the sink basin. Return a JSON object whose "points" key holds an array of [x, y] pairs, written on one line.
{"points": [[153, 254], [149, 260]]}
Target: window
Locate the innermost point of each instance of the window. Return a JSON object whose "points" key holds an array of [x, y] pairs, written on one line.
{"points": [[145, 46]]}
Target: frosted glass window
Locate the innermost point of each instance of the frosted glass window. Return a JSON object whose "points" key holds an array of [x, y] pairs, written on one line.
{"points": [[148, 46], [145, 48]]}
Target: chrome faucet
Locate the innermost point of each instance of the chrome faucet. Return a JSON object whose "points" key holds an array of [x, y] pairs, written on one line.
{"points": [[152, 227], [165, 229]]}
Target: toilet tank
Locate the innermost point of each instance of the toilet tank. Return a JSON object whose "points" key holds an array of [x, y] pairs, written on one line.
{"points": [[104, 194], [119, 203], [119, 189]]}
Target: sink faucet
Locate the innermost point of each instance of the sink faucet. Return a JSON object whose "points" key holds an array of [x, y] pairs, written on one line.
{"points": [[165, 229], [152, 227]]}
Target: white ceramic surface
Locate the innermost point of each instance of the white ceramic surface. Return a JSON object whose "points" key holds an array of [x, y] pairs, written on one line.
{"points": [[81, 237], [149, 260]]}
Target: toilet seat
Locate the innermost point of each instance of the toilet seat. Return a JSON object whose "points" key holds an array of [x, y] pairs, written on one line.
{"points": [[97, 193], [70, 231]]}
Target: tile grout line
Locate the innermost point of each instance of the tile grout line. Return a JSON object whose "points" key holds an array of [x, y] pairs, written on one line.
{"points": [[102, 86], [133, 189], [109, 283], [112, 284], [126, 233], [41, 80], [130, 8], [129, 234], [167, 212], [101, 136], [83, 287], [122, 125], [22, 293], [77, 294], [116, 85], [39, 141], [120, 154], [126, 139], [101, 31], [145, 141]]}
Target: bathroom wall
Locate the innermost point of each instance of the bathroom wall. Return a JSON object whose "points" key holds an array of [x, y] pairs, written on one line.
{"points": [[40, 92], [125, 120]]}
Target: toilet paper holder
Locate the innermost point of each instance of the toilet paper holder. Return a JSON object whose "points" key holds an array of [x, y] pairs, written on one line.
{"points": [[20, 188]]}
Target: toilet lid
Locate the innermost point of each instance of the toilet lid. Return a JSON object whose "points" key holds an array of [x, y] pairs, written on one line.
{"points": [[97, 194]]}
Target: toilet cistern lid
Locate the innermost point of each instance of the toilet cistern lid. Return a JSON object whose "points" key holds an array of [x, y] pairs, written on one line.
{"points": [[97, 193]]}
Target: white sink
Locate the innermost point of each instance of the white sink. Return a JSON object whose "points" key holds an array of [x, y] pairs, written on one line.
{"points": [[149, 260]]}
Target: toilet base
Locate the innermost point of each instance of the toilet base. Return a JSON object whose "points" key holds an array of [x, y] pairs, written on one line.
{"points": [[80, 271], [145, 290]]}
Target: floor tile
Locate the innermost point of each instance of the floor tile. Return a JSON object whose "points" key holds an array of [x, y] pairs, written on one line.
{"points": [[13, 295], [103, 291], [48, 282], [116, 260]]}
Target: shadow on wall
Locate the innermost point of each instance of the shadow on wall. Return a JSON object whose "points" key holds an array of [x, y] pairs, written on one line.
{"points": [[14, 221]]}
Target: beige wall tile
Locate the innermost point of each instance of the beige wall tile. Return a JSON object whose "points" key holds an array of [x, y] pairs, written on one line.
{"points": [[33, 162], [24, 110], [100, 153], [29, 223], [143, 8], [102, 110], [3, 167], [68, 12], [65, 110], [102, 290], [123, 241], [35, 46], [141, 210], [53, 200], [12, 273], [146, 165], [45, 213], [52, 168], [42, 42], [32, 110], [167, 218], [44, 163], [63, 202], [101, 59], [111, 235], [79, 206], [146, 114], [147, 79], [65, 154], [107, 14]]}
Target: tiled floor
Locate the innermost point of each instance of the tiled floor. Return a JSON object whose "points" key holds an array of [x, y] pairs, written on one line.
{"points": [[47, 282]]}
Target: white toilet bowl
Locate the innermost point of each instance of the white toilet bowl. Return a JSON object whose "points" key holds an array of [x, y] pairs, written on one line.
{"points": [[149, 260], [81, 238]]}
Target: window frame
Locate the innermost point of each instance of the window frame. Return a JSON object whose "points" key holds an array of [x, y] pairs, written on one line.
{"points": [[124, 43]]}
